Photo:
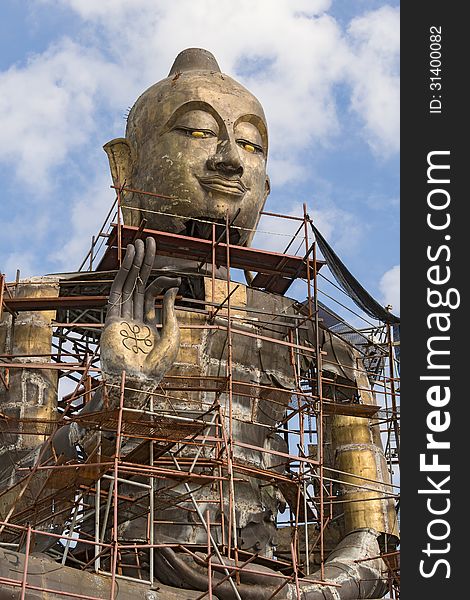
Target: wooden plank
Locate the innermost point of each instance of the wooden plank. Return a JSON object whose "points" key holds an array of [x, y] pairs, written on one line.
{"points": [[198, 249], [352, 410], [56, 302]]}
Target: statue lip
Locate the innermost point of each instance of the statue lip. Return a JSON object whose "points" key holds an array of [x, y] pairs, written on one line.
{"points": [[219, 183]]}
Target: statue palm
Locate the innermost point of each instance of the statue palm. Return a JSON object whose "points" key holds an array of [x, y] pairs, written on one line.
{"points": [[131, 340]]}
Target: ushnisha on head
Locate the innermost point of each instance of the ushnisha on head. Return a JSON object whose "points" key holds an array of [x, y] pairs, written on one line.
{"points": [[199, 138]]}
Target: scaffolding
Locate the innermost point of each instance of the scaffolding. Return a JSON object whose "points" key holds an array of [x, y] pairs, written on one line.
{"points": [[90, 499]]}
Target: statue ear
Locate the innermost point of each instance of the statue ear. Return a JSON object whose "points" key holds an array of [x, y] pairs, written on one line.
{"points": [[267, 188], [121, 157]]}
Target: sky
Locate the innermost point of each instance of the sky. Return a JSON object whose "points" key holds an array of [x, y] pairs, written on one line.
{"points": [[325, 71]]}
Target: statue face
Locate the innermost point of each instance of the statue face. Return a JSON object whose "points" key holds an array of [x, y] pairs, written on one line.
{"points": [[200, 138]]}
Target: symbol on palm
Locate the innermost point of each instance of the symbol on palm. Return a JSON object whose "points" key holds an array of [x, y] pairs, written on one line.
{"points": [[136, 338], [131, 340]]}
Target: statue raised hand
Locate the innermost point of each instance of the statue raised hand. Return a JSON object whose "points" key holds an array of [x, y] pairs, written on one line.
{"points": [[131, 340]]}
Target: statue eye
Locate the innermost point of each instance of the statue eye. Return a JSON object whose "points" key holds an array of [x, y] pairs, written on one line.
{"points": [[250, 147], [199, 134]]}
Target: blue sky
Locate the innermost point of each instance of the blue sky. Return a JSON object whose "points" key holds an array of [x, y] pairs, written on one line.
{"points": [[325, 71]]}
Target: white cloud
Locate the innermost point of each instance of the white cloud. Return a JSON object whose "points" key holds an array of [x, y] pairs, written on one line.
{"points": [[284, 170], [87, 216], [24, 261], [124, 9], [60, 105], [275, 233], [47, 109], [22, 233], [375, 41], [303, 53], [340, 228], [390, 288]]}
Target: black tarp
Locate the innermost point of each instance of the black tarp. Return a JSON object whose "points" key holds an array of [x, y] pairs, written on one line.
{"points": [[350, 285]]}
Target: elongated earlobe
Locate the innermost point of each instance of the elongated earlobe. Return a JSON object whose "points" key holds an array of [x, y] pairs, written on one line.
{"points": [[121, 158], [267, 188]]}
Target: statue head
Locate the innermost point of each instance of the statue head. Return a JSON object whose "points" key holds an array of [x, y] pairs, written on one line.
{"points": [[199, 140]]}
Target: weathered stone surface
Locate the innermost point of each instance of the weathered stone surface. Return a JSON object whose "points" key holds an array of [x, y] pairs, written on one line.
{"points": [[32, 393]]}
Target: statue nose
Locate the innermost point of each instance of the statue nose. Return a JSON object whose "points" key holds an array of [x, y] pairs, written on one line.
{"points": [[226, 159]]}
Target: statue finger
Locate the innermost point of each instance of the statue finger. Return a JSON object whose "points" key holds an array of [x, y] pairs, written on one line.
{"points": [[166, 350], [169, 321], [131, 281], [154, 289], [170, 332], [115, 294], [139, 293]]}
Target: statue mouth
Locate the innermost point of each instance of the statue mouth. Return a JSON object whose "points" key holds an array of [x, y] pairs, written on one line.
{"points": [[217, 183]]}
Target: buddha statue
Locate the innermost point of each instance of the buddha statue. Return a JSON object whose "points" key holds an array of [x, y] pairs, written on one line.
{"points": [[200, 140], [197, 144]]}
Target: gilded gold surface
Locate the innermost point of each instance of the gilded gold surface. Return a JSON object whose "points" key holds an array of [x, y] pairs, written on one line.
{"points": [[32, 393], [358, 450], [206, 176]]}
